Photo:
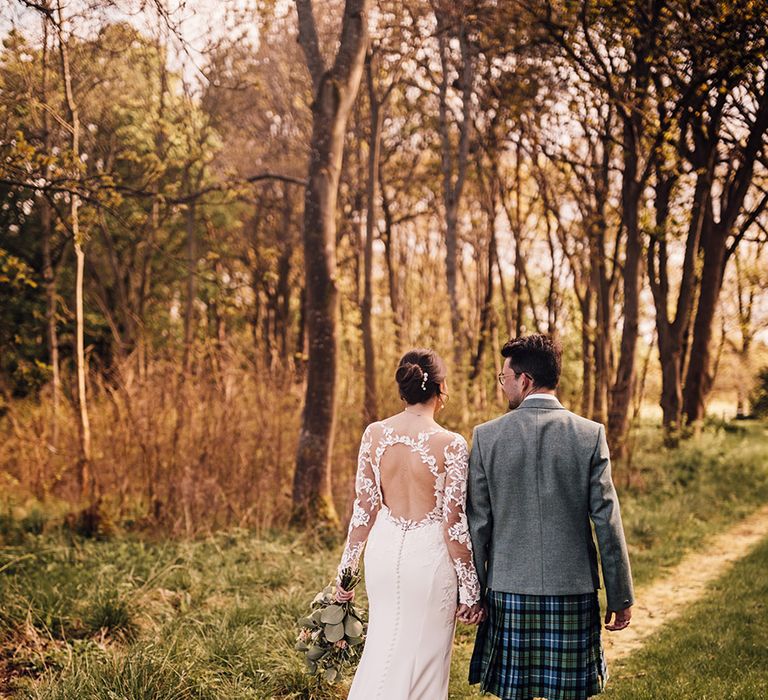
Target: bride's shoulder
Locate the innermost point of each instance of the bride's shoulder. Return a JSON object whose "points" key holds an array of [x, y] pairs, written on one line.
{"points": [[374, 427], [452, 439], [379, 428]]}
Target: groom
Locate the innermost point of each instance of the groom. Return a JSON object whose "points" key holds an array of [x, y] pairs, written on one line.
{"points": [[537, 477]]}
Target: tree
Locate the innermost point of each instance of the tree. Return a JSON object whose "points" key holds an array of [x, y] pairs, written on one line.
{"points": [[86, 480], [706, 91], [751, 280], [454, 157], [613, 45], [733, 204], [49, 272], [335, 89], [376, 104]]}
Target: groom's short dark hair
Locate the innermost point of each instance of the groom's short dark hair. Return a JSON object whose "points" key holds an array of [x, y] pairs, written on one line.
{"points": [[538, 355]]}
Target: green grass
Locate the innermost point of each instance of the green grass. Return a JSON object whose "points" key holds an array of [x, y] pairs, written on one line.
{"points": [[131, 619], [717, 650], [215, 618], [675, 499]]}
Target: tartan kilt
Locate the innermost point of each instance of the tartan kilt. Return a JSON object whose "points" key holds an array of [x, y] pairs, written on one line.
{"points": [[540, 646]]}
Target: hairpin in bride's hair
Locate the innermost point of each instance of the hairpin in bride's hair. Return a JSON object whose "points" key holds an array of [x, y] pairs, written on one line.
{"points": [[424, 381]]}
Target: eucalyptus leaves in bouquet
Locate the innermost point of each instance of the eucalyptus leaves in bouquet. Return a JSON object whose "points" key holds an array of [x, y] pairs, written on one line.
{"points": [[331, 637]]}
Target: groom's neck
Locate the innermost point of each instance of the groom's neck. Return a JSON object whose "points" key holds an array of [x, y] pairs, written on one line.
{"points": [[540, 390]]}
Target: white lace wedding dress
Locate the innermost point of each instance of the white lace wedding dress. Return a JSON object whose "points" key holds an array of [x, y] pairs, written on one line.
{"points": [[409, 509]]}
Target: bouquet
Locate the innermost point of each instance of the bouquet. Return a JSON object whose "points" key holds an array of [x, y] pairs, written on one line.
{"points": [[331, 636]]}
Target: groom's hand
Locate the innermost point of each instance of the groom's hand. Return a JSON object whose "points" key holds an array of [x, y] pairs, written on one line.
{"points": [[470, 615], [621, 620]]}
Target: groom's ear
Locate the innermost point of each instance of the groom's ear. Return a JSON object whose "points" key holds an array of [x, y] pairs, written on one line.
{"points": [[530, 384]]}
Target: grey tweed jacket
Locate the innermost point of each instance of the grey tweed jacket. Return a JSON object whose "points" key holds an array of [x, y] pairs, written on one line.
{"points": [[537, 476]]}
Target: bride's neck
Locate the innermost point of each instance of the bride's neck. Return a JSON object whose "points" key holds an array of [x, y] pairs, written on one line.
{"points": [[423, 410]]}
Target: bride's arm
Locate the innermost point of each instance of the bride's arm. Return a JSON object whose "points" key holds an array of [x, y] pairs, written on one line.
{"points": [[455, 520], [367, 504]]}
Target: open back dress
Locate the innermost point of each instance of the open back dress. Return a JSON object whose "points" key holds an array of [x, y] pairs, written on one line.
{"points": [[409, 517]]}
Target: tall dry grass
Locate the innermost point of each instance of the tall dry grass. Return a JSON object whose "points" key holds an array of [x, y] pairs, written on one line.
{"points": [[214, 447], [187, 452]]}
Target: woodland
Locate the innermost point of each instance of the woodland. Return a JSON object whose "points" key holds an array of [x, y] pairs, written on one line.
{"points": [[222, 224]]}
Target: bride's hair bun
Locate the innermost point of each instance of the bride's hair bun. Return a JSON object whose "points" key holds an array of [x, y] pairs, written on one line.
{"points": [[407, 372], [419, 375]]}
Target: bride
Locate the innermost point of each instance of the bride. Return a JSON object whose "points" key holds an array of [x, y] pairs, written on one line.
{"points": [[411, 489]]}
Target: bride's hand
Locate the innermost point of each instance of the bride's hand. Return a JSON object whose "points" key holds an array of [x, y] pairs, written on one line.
{"points": [[470, 615], [344, 596]]}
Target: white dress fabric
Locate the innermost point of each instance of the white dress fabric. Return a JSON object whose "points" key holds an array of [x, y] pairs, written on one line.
{"points": [[417, 568]]}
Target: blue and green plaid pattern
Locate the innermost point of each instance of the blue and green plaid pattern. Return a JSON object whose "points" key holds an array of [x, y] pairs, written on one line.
{"points": [[540, 646]]}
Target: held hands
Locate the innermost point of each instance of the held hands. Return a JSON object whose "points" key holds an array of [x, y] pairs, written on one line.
{"points": [[621, 620], [471, 615]]}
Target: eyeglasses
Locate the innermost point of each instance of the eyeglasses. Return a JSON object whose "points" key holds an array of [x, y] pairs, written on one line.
{"points": [[502, 376]]}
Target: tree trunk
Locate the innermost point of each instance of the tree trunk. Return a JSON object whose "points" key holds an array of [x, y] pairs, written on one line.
{"points": [[370, 408], [189, 302], [126, 323], [518, 234], [602, 283], [283, 318], [505, 300], [671, 334], [302, 349], [587, 355], [621, 392], [671, 385], [553, 304], [392, 276], [746, 289], [48, 274], [486, 311], [334, 94], [85, 474], [603, 329], [454, 173], [50, 319], [699, 376]]}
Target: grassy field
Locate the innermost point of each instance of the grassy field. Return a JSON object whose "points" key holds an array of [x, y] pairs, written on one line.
{"points": [[717, 651], [215, 618]]}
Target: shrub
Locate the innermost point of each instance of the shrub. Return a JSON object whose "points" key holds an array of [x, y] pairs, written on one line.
{"points": [[759, 397], [112, 614]]}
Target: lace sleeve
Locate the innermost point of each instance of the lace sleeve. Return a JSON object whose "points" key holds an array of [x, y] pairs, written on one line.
{"points": [[367, 504], [455, 520]]}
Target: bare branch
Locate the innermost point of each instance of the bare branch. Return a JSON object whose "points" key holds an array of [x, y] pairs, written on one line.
{"points": [[40, 7], [90, 195]]}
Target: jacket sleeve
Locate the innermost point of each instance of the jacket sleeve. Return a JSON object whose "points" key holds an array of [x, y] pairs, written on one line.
{"points": [[366, 506], [479, 512], [455, 526], [606, 516]]}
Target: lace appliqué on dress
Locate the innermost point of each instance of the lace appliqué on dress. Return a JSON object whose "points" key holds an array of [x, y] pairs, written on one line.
{"points": [[469, 586], [450, 500], [455, 519], [367, 504]]}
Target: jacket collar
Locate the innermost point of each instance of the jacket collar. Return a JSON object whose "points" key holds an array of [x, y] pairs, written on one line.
{"points": [[552, 403]]}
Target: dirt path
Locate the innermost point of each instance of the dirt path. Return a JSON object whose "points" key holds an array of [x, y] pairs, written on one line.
{"points": [[666, 598]]}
